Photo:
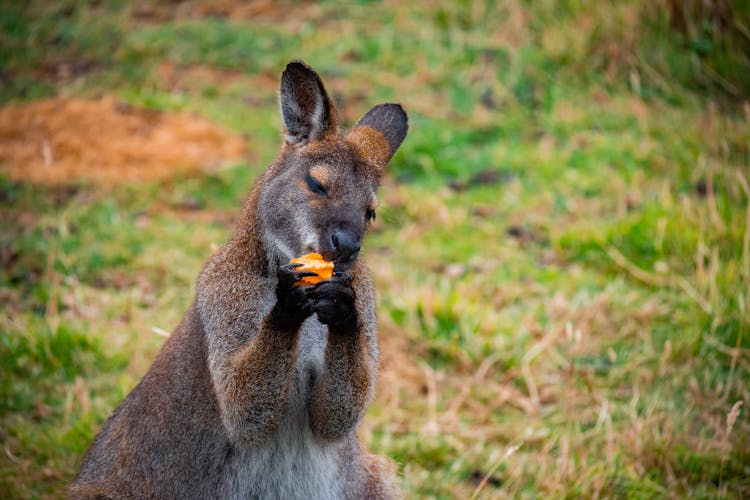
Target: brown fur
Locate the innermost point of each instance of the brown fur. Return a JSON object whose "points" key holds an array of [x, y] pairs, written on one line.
{"points": [[250, 397]]}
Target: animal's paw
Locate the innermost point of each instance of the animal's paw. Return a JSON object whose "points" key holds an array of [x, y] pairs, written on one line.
{"points": [[333, 301], [293, 301]]}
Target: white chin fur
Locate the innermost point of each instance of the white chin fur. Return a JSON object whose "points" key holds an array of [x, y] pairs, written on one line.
{"points": [[278, 250], [308, 237], [309, 245]]}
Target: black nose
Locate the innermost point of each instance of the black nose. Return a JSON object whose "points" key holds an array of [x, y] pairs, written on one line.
{"points": [[345, 244]]}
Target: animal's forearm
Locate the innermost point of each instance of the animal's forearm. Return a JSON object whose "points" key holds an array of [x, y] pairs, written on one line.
{"points": [[255, 387], [346, 385]]}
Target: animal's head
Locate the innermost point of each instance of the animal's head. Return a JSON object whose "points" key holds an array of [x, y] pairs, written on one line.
{"points": [[320, 195]]}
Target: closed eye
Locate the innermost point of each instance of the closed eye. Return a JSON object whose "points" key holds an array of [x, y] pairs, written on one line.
{"points": [[315, 185]]}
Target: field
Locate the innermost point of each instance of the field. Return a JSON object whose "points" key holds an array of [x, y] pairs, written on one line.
{"points": [[562, 248]]}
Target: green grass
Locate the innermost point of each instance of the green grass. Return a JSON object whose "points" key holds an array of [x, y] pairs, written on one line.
{"points": [[561, 251]]}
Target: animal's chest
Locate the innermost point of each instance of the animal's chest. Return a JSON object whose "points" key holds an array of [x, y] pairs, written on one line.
{"points": [[311, 346], [293, 464], [292, 467], [311, 349]]}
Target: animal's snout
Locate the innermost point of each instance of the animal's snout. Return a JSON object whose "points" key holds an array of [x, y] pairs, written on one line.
{"points": [[345, 244]]}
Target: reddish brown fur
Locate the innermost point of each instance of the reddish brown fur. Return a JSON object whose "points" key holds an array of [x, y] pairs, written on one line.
{"points": [[370, 144]]}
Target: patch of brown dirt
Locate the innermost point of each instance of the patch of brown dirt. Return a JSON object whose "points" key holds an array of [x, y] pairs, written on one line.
{"points": [[58, 140]]}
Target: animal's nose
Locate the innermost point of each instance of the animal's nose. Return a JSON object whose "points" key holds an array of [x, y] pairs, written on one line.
{"points": [[345, 244]]}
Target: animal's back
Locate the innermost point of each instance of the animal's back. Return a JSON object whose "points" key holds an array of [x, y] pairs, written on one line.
{"points": [[166, 438]]}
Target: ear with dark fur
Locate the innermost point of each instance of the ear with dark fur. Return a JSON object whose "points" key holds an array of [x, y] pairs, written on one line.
{"points": [[305, 107], [379, 133]]}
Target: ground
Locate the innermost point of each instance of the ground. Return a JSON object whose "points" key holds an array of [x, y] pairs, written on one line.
{"points": [[561, 253], [54, 141]]}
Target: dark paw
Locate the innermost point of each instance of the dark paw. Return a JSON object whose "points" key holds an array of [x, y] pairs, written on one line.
{"points": [[292, 301], [333, 301], [288, 275]]}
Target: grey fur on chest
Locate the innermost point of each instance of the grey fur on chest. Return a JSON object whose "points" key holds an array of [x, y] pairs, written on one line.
{"points": [[311, 348], [290, 467]]}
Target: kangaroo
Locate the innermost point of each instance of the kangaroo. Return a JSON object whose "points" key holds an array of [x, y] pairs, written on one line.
{"points": [[259, 390]]}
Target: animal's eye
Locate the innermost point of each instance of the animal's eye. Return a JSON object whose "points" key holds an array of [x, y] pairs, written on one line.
{"points": [[315, 185], [370, 214]]}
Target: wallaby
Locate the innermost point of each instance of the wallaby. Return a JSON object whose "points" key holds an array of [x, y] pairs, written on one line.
{"points": [[259, 391]]}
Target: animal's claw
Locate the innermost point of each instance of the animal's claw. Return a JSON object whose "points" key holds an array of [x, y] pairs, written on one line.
{"points": [[288, 275], [293, 299]]}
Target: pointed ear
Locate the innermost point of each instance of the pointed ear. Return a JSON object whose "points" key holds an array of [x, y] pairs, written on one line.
{"points": [[379, 133], [305, 107]]}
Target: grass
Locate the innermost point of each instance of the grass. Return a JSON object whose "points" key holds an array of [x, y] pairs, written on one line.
{"points": [[562, 254]]}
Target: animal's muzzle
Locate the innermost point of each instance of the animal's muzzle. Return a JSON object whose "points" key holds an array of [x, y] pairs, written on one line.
{"points": [[344, 244]]}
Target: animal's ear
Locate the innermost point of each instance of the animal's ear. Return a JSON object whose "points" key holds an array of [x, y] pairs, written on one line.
{"points": [[305, 107], [379, 133]]}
